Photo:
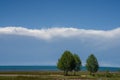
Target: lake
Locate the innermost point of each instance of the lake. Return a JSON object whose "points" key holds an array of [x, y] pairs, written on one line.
{"points": [[48, 68]]}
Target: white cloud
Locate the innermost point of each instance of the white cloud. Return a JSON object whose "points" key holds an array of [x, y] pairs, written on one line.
{"points": [[100, 42], [51, 33]]}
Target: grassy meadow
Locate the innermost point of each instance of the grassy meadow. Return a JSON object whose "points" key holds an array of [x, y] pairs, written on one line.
{"points": [[57, 75]]}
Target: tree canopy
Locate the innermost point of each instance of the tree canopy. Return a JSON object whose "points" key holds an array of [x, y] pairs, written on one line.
{"points": [[72, 62], [66, 62], [92, 64], [78, 62]]}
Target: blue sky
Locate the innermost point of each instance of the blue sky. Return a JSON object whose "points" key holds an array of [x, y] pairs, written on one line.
{"points": [[36, 32]]}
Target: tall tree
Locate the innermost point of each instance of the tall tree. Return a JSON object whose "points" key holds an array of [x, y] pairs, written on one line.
{"points": [[78, 63], [66, 62], [92, 64]]}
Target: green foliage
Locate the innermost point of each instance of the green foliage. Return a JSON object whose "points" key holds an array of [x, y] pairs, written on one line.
{"points": [[56, 75], [66, 62], [78, 63], [92, 64], [108, 74]]}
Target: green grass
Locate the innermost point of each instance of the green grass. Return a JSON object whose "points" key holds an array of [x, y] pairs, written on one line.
{"points": [[57, 75]]}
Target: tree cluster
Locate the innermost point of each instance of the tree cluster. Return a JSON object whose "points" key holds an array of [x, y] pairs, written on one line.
{"points": [[72, 62]]}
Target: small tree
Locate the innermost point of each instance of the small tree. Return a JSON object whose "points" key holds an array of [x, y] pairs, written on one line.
{"points": [[92, 64], [78, 63], [66, 62]]}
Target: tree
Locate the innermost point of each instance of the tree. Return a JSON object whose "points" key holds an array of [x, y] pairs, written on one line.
{"points": [[78, 63], [92, 64], [66, 62]]}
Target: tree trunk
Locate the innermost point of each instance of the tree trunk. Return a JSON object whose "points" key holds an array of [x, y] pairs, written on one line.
{"points": [[74, 73], [66, 73], [90, 73]]}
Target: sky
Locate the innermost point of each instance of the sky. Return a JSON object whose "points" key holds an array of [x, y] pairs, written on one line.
{"points": [[37, 32]]}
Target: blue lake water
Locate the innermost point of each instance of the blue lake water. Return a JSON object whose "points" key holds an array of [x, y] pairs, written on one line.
{"points": [[48, 68]]}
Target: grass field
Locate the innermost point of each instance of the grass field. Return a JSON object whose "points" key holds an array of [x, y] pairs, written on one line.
{"points": [[57, 75]]}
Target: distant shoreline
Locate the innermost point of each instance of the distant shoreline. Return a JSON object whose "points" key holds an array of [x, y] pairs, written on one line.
{"points": [[49, 68]]}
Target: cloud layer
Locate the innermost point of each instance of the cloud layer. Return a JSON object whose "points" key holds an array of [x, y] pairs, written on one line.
{"points": [[52, 33], [103, 43]]}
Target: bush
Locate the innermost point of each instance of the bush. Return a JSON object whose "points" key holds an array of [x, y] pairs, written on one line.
{"points": [[108, 74]]}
